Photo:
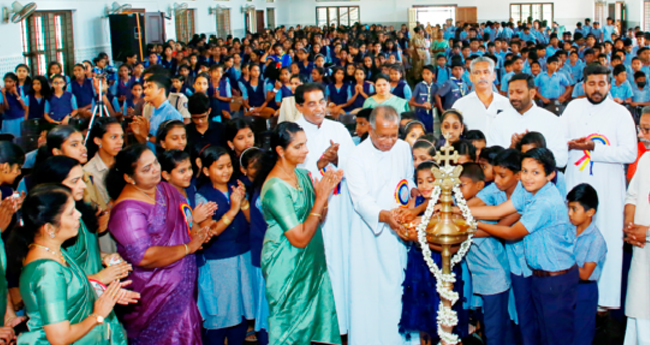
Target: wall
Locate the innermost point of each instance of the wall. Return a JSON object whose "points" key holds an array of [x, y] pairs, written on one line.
{"points": [[395, 12], [91, 29]]}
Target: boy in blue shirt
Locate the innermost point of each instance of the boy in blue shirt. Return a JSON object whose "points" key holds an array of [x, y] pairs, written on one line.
{"points": [[549, 241], [621, 90], [590, 251], [443, 71], [487, 262], [641, 91], [552, 86], [424, 97], [453, 89]]}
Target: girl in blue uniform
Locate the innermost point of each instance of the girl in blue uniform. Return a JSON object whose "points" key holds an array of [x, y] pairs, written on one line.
{"points": [[24, 80], [284, 84], [15, 106], [225, 262], [220, 89], [38, 95], [361, 90], [124, 83], [254, 94], [398, 86], [82, 89], [62, 105], [339, 94], [54, 69]]}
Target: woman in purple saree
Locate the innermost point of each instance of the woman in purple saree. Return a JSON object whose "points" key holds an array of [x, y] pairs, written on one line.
{"points": [[152, 234]]}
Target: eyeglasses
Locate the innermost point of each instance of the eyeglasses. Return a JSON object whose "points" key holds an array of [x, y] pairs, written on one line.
{"points": [[643, 130]]}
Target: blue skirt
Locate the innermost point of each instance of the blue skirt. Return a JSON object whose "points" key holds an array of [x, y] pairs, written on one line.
{"points": [[420, 300]]}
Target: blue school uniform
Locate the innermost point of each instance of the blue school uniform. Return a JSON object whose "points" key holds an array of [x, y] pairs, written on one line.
{"points": [[124, 89], [505, 80], [59, 107], [590, 247], [169, 64], [452, 90], [84, 92], [305, 70], [553, 86], [368, 89], [442, 75], [161, 114], [623, 91], [424, 93], [224, 91], [256, 95], [549, 247], [578, 90], [14, 115], [597, 34], [36, 107], [340, 95], [527, 36], [284, 92], [402, 90], [488, 263], [641, 96]]}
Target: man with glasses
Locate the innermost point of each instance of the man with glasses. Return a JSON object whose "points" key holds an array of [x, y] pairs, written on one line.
{"points": [[481, 107], [643, 133], [329, 144], [379, 172], [602, 140]]}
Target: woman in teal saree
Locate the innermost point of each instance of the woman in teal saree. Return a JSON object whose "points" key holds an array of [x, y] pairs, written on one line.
{"points": [[298, 288], [59, 300]]}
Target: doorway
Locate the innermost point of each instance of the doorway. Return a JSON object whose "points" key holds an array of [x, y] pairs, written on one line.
{"points": [[435, 15], [260, 21]]}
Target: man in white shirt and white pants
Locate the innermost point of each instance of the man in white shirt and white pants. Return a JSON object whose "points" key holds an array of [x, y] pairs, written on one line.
{"points": [[510, 126], [330, 145], [482, 106]]}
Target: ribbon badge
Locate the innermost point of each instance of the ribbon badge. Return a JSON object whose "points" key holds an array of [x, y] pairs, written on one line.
{"points": [[402, 193], [586, 159], [187, 213]]}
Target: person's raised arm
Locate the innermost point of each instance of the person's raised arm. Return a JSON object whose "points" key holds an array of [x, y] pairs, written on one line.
{"points": [[493, 212], [514, 232]]}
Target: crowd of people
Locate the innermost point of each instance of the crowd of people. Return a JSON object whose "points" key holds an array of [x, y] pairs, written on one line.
{"points": [[266, 189]]}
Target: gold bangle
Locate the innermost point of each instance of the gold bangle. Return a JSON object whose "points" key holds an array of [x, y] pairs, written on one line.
{"points": [[187, 249], [245, 207], [316, 214], [226, 220]]}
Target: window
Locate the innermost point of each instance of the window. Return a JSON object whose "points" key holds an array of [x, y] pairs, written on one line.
{"points": [[534, 11], [185, 25], [270, 18], [337, 15], [223, 22], [646, 15], [47, 36]]}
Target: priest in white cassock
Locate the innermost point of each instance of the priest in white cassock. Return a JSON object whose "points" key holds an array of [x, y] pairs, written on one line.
{"points": [[525, 116], [482, 106], [379, 172], [602, 139], [329, 144], [637, 218]]}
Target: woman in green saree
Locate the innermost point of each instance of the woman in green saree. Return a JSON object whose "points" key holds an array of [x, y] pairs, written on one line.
{"points": [[384, 97], [298, 288], [61, 305], [84, 249]]}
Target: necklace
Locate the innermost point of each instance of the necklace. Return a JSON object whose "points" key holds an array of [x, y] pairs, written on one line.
{"points": [[145, 194], [59, 255], [289, 176]]}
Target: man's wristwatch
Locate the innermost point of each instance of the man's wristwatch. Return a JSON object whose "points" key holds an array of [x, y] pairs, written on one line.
{"points": [[98, 318]]}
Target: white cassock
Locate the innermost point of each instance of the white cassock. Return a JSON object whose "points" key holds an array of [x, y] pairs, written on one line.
{"points": [[377, 255], [637, 302], [476, 116], [536, 119], [336, 227], [611, 126]]}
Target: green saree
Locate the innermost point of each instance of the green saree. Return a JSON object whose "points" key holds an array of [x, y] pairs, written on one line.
{"points": [[85, 251], [55, 293], [399, 104], [298, 288]]}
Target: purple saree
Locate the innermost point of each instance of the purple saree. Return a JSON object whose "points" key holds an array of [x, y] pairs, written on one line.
{"points": [[167, 312]]}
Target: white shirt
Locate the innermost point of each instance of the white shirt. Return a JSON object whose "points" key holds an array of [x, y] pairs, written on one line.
{"points": [[536, 119], [476, 116]]}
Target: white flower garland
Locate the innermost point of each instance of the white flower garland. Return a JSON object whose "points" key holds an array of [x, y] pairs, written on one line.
{"points": [[446, 315]]}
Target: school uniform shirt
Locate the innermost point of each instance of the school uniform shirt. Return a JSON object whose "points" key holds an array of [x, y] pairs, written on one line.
{"points": [[535, 119], [623, 91], [451, 91], [487, 259], [637, 303], [212, 136], [161, 114], [59, 107], [425, 93], [591, 247], [598, 33], [285, 59], [283, 93], [527, 36], [553, 86], [124, 89], [639, 95], [505, 80], [578, 90], [442, 75], [84, 92], [368, 89], [305, 70], [255, 94], [16, 110], [340, 95], [36, 107], [550, 242], [476, 116], [608, 30]]}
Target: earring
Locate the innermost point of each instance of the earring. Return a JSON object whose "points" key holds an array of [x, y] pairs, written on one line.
{"points": [[52, 234], [100, 146], [133, 183]]}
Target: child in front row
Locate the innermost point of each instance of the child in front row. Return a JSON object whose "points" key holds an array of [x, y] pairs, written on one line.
{"points": [[548, 240], [590, 251], [487, 262], [533, 140]]}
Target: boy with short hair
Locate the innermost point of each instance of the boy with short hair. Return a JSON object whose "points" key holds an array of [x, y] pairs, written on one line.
{"points": [[590, 251], [452, 89], [621, 90], [641, 91], [363, 125], [442, 71], [423, 98], [551, 85]]}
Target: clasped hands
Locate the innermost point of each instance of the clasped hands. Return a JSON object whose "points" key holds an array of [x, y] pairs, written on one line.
{"points": [[635, 234]]}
